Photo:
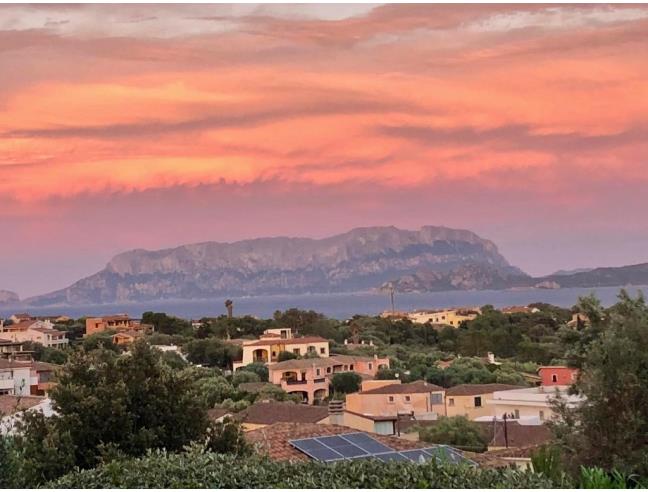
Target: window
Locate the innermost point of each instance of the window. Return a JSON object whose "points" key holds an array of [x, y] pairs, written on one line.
{"points": [[351, 367], [450, 402], [328, 370], [541, 414], [478, 402], [296, 351], [370, 366], [517, 413], [345, 367], [322, 350], [408, 398], [437, 399], [554, 378], [317, 371], [391, 399], [274, 354]]}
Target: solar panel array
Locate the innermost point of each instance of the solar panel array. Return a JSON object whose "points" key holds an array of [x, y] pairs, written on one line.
{"points": [[358, 445]]}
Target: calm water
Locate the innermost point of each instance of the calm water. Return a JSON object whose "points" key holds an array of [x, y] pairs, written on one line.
{"points": [[340, 306]]}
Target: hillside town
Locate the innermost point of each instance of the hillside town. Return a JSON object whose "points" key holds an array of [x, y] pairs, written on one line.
{"points": [[436, 380]]}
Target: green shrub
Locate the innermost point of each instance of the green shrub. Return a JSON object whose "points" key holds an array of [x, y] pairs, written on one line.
{"points": [[199, 469]]}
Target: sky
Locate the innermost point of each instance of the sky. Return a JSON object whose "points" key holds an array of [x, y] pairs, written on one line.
{"points": [[150, 126]]}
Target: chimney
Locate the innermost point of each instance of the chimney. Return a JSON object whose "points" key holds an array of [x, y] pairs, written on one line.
{"points": [[336, 412]]}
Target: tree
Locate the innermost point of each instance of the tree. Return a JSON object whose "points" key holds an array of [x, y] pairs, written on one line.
{"points": [[242, 376], [131, 403], [213, 390], [46, 354], [170, 325], [212, 352], [346, 382], [609, 428], [100, 340], [227, 437], [258, 368], [454, 431], [284, 355]]}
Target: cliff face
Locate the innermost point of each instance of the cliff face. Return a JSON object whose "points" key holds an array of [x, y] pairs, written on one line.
{"points": [[360, 259]]}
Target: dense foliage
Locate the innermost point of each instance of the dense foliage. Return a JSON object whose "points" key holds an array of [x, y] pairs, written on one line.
{"points": [[456, 431], [197, 469], [346, 382], [610, 429]]}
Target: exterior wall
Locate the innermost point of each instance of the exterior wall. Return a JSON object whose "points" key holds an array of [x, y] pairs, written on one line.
{"points": [[530, 403], [465, 405], [554, 376], [386, 404], [57, 340], [305, 381], [357, 422]]}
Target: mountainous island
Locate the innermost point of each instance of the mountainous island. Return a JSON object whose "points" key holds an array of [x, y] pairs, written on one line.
{"points": [[430, 259]]}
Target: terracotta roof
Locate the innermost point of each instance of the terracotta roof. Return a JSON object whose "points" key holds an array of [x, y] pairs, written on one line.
{"points": [[10, 404], [130, 333], [286, 341], [273, 439], [273, 412], [479, 389], [23, 325], [398, 389], [9, 364], [216, 413]]}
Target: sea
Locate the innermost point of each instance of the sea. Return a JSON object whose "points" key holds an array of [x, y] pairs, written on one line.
{"points": [[338, 306]]}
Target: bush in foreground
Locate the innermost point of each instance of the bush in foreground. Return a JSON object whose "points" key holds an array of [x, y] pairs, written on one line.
{"points": [[198, 469]]}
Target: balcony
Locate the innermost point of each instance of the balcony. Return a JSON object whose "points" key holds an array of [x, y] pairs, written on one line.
{"points": [[6, 384], [290, 382], [319, 380]]}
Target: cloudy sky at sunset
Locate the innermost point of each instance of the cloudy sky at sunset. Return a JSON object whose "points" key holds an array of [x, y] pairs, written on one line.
{"points": [[149, 126]]}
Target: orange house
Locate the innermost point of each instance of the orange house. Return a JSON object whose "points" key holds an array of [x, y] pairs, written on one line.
{"points": [[421, 399], [557, 375]]}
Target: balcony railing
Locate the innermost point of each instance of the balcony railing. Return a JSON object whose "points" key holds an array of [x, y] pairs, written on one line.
{"points": [[295, 381], [320, 380]]}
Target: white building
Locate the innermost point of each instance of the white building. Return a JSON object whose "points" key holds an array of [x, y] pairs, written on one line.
{"points": [[13, 409], [530, 405], [38, 331]]}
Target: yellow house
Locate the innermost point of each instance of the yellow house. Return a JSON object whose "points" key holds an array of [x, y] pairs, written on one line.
{"points": [[274, 341], [452, 317], [473, 400]]}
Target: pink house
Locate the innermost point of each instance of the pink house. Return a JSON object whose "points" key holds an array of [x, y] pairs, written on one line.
{"points": [[311, 377], [557, 375]]}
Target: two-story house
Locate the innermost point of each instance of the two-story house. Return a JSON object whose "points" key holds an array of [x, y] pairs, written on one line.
{"points": [[39, 331], [25, 378], [378, 406], [311, 377], [276, 340]]}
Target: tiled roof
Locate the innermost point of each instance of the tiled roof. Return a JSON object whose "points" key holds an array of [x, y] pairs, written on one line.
{"points": [[273, 412], [10, 404], [333, 360], [216, 413], [479, 389], [393, 389], [9, 364], [273, 439], [22, 325], [286, 341]]}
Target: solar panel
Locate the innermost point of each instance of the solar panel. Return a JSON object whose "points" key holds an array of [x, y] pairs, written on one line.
{"points": [[316, 450], [358, 445], [393, 456], [416, 455], [368, 443]]}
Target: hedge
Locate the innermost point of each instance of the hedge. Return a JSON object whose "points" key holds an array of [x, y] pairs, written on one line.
{"points": [[198, 469]]}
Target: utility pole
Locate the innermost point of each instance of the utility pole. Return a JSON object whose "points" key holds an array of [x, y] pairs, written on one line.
{"points": [[505, 433], [391, 296]]}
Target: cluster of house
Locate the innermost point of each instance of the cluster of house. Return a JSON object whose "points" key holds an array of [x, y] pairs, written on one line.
{"points": [[309, 375], [127, 330], [452, 317], [25, 328]]}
